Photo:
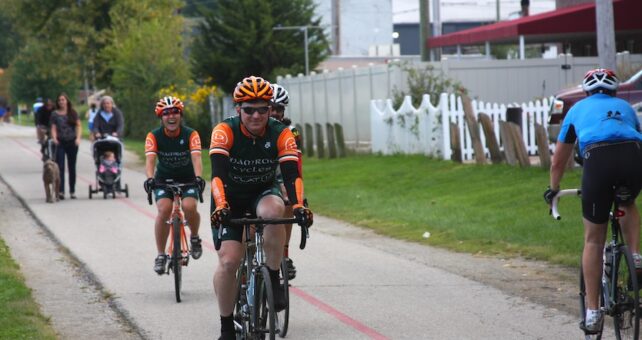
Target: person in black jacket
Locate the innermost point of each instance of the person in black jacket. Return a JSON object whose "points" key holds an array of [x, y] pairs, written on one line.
{"points": [[109, 120]]}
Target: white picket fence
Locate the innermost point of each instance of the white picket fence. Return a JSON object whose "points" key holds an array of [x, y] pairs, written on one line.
{"points": [[425, 130]]}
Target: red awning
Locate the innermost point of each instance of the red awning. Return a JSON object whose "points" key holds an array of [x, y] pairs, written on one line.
{"points": [[548, 26]]}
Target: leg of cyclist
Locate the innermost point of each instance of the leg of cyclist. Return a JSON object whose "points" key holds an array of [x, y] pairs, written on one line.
{"points": [[594, 238], [272, 206], [194, 221], [631, 226], [229, 259], [161, 231]]}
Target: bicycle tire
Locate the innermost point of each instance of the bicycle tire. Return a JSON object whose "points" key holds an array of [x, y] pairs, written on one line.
{"points": [[264, 304], [283, 317], [177, 255], [240, 319], [626, 317], [598, 335]]}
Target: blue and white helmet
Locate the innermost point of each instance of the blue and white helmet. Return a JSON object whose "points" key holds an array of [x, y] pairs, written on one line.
{"points": [[280, 95]]}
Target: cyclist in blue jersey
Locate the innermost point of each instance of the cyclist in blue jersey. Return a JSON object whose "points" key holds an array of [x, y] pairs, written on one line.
{"points": [[610, 144]]}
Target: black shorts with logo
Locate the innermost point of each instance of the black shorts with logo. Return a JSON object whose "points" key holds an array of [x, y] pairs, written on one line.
{"points": [[238, 209], [605, 167]]}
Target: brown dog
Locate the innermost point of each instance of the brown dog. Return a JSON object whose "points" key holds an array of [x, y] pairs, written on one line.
{"points": [[51, 178]]}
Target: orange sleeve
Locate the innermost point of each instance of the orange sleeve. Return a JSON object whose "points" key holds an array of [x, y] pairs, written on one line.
{"points": [[222, 139], [195, 142], [151, 147], [286, 144]]}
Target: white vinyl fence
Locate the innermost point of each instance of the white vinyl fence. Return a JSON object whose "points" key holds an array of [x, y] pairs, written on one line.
{"points": [[426, 130]]}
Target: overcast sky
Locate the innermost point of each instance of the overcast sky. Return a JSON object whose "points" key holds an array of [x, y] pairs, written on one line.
{"points": [[467, 10]]}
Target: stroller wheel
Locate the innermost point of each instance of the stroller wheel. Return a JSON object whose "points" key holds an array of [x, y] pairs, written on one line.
{"points": [[90, 192], [126, 190]]}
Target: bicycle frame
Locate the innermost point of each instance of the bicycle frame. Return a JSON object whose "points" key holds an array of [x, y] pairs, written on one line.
{"points": [[177, 212], [613, 302], [249, 311], [177, 235]]}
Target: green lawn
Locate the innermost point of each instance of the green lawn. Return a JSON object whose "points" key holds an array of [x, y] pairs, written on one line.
{"points": [[20, 317], [495, 209]]}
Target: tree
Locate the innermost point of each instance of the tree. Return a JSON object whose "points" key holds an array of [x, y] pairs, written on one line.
{"points": [[237, 40], [39, 71], [10, 40], [146, 55]]}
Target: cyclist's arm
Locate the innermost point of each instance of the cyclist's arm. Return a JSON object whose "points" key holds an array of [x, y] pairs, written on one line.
{"points": [[220, 145], [558, 165], [195, 152], [151, 149], [289, 162]]}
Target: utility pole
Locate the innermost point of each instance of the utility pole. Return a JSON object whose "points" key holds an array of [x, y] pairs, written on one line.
{"points": [[336, 26], [605, 34], [497, 8], [424, 27]]}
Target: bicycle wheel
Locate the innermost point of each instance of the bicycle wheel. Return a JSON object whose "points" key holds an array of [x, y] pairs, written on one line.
{"points": [[283, 317], [240, 306], [626, 314], [177, 256], [598, 335], [264, 304]]}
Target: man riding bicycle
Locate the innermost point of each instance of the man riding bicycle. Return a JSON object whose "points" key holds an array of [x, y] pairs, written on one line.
{"points": [[610, 144], [280, 101], [245, 151], [178, 149]]}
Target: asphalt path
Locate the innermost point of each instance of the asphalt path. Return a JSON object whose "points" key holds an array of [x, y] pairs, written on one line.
{"points": [[351, 284]]}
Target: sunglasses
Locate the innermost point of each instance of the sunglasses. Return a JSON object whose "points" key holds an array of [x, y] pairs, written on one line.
{"points": [[171, 111], [250, 110]]}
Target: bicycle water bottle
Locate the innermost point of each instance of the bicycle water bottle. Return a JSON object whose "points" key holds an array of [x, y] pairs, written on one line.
{"points": [[250, 292], [607, 260]]}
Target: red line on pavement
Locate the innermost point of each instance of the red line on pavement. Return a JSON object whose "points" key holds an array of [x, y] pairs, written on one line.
{"points": [[209, 245], [337, 314]]}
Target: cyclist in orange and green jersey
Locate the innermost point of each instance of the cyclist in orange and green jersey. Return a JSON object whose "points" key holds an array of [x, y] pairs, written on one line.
{"points": [[245, 151], [178, 150]]}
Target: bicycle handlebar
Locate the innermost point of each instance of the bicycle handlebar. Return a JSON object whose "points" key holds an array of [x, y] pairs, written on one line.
{"points": [[245, 221], [173, 187], [556, 199]]}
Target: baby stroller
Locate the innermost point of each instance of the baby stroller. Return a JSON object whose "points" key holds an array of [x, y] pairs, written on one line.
{"points": [[108, 172]]}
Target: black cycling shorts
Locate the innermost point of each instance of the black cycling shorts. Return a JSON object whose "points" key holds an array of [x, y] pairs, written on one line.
{"points": [[605, 167], [238, 209]]}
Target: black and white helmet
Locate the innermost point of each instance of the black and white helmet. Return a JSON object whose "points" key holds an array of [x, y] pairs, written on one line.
{"points": [[280, 95]]}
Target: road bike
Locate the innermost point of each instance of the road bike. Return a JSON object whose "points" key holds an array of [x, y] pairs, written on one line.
{"points": [[619, 292], [254, 312], [178, 249]]}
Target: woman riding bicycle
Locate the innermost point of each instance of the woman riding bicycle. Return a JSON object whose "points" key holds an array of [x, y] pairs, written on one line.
{"points": [[610, 144], [178, 149], [245, 151]]}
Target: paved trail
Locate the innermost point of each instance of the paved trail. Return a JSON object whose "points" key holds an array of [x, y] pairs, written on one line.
{"points": [[351, 284]]}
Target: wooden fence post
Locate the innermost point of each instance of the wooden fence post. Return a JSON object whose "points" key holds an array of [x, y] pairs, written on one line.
{"points": [[473, 129], [341, 143], [300, 129], [520, 147], [507, 140], [319, 139], [491, 140], [309, 139], [456, 154], [542, 146], [332, 146]]}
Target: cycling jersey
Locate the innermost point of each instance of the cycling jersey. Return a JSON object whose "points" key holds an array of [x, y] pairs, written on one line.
{"points": [[174, 153], [600, 118], [244, 166]]}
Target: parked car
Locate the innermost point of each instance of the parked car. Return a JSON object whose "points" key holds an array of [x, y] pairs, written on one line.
{"points": [[630, 90]]}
